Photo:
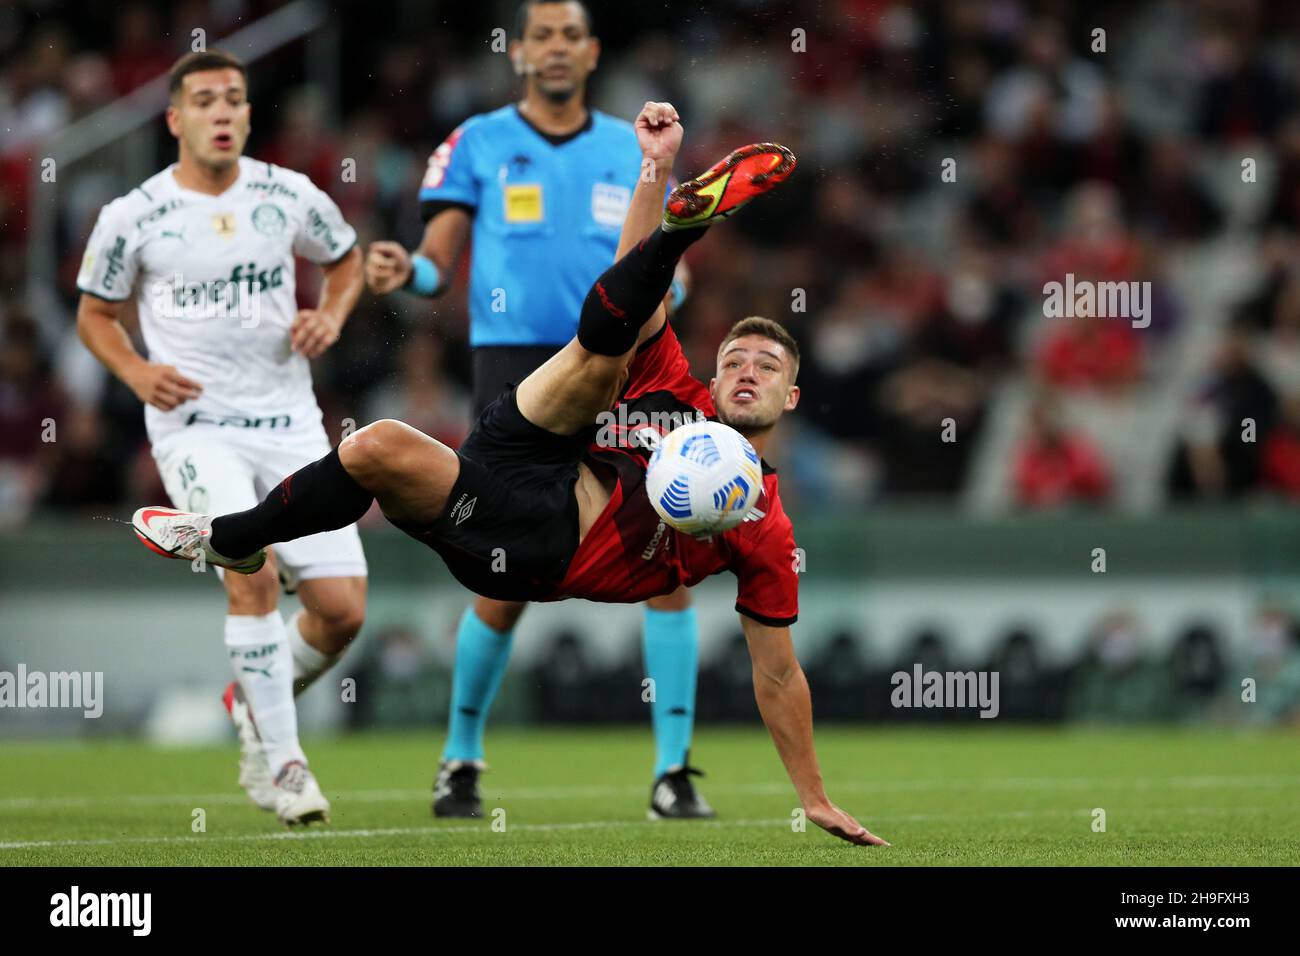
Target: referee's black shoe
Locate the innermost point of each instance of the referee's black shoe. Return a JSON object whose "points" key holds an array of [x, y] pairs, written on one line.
{"points": [[455, 791], [673, 796]]}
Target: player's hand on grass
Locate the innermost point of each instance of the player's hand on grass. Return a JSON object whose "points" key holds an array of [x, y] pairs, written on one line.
{"points": [[658, 131], [388, 266], [838, 823], [162, 386], [313, 331]]}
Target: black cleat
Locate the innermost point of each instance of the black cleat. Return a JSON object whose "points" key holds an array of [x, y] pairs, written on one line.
{"points": [[673, 797], [455, 791]]}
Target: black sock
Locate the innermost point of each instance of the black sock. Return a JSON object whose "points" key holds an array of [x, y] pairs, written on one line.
{"points": [[319, 497], [629, 291]]}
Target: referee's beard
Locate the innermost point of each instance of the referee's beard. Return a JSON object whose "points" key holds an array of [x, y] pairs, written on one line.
{"points": [[558, 97]]}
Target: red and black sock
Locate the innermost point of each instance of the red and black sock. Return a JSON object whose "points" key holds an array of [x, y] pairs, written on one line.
{"points": [[321, 496], [629, 291]]}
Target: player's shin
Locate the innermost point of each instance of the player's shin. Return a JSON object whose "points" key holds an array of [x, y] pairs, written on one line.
{"points": [[260, 657], [627, 293], [481, 657], [319, 497], [308, 662], [671, 644]]}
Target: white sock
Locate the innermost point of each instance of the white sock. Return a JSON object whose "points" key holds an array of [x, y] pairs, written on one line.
{"points": [[308, 663], [260, 657]]}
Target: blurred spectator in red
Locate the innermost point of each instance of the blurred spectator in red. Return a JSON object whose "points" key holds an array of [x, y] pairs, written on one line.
{"points": [[1055, 466], [1280, 456], [1096, 243], [1090, 353]]}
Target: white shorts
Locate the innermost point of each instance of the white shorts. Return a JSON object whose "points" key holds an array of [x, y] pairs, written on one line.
{"points": [[218, 470]]}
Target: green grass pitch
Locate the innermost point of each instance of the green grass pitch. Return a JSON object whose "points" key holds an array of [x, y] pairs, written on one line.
{"points": [[968, 796]]}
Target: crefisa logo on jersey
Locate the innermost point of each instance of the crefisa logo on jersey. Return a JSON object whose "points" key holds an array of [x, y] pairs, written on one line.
{"points": [[113, 262], [238, 297]]}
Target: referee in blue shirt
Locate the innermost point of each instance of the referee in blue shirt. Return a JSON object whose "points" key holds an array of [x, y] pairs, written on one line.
{"points": [[541, 187]]}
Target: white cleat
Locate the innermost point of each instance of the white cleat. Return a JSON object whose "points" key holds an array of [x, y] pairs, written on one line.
{"points": [[186, 536], [254, 768], [298, 799]]}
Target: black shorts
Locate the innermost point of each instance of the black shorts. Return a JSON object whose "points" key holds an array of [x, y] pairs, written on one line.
{"points": [[510, 527], [496, 367]]}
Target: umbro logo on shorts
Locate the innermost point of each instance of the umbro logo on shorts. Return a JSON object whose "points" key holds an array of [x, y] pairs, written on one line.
{"points": [[463, 509]]}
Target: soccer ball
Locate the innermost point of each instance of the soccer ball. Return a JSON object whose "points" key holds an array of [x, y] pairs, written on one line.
{"points": [[704, 478]]}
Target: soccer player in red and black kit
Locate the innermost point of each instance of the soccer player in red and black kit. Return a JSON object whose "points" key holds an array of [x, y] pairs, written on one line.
{"points": [[539, 485]]}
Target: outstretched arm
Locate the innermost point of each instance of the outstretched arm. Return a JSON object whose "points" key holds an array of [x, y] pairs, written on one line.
{"points": [[783, 699], [659, 134], [388, 265]]}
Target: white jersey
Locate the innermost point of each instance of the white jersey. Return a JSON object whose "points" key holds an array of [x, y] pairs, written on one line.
{"points": [[213, 279]]}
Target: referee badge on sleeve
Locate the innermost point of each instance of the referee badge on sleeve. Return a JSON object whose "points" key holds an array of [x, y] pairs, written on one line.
{"points": [[609, 203], [524, 203]]}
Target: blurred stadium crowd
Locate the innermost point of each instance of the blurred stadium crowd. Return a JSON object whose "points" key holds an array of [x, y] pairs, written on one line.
{"points": [[916, 299], [1115, 678]]}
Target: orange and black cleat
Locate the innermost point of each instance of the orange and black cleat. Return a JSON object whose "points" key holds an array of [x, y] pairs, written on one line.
{"points": [[748, 172]]}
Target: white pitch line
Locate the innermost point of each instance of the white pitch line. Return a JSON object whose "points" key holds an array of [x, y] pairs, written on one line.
{"points": [[326, 834], [485, 828], [599, 792]]}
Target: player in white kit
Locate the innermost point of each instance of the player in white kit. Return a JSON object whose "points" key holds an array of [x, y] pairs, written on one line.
{"points": [[206, 249]]}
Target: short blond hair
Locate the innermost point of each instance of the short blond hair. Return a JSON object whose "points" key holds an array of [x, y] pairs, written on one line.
{"points": [[768, 329]]}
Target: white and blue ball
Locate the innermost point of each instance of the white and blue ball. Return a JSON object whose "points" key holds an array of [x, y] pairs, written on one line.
{"points": [[704, 478]]}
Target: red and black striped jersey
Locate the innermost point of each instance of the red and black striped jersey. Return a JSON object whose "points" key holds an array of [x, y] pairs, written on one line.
{"points": [[629, 553]]}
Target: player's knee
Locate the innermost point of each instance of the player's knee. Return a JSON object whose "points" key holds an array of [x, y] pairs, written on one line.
{"points": [[501, 616], [372, 451], [342, 622], [678, 600], [337, 609]]}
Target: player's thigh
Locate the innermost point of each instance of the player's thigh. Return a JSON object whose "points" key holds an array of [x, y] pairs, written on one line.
{"points": [[571, 388], [410, 474], [204, 472]]}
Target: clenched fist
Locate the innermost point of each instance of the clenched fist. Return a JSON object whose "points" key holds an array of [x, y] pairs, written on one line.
{"points": [[388, 266], [658, 132]]}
